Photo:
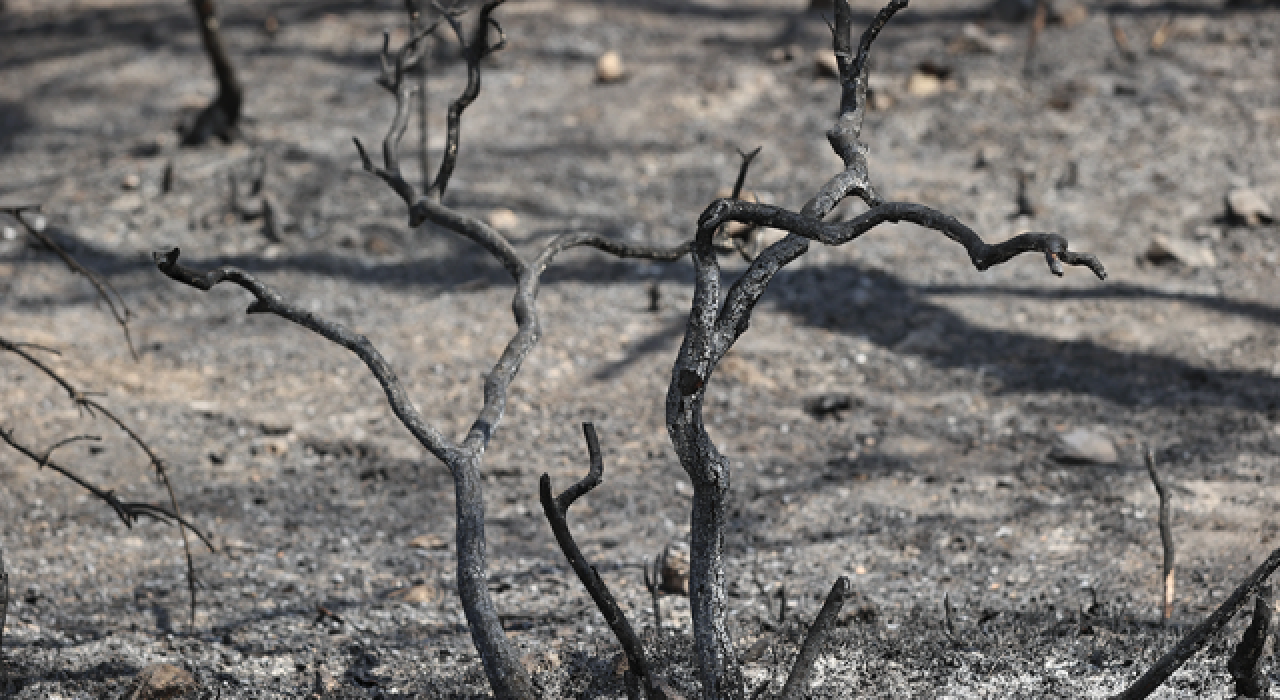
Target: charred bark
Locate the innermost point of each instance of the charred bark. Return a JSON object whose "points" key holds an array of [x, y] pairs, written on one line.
{"points": [[221, 118]]}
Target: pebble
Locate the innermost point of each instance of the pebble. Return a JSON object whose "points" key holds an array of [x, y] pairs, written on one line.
{"points": [[826, 63], [428, 541], [419, 593], [1068, 14], [1084, 446], [1164, 250], [502, 219], [609, 68], [922, 84], [131, 181], [161, 682], [1247, 206], [675, 570]]}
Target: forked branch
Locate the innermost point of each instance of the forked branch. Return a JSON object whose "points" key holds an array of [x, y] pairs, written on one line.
{"points": [[556, 509], [127, 511]]}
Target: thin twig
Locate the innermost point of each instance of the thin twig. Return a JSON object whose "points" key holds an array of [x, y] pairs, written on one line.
{"points": [[108, 293], [84, 401], [651, 584], [1205, 631], [798, 682], [1166, 536], [556, 508]]}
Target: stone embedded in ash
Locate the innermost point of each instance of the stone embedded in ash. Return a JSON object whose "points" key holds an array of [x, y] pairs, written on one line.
{"points": [[1164, 251], [675, 570], [428, 541], [826, 63], [1084, 446], [1247, 206], [609, 68], [419, 593], [162, 682], [503, 219]]}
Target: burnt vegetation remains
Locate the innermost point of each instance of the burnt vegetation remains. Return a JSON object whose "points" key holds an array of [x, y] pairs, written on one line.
{"points": [[655, 663]]}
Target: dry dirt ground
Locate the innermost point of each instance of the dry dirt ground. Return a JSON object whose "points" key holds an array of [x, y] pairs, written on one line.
{"points": [[939, 480]]}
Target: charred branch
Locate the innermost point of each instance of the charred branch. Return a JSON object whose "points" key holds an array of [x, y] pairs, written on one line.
{"points": [[556, 509], [718, 318], [798, 682], [108, 294], [221, 118], [127, 511], [651, 584], [507, 676], [1166, 537], [1168, 664], [4, 601], [1243, 666]]}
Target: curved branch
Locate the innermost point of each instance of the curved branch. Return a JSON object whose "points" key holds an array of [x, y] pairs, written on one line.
{"points": [[556, 509], [83, 400], [981, 254], [473, 52], [119, 310], [267, 300]]}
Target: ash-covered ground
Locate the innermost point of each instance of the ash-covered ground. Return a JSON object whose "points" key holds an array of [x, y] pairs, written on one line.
{"points": [[939, 478]]}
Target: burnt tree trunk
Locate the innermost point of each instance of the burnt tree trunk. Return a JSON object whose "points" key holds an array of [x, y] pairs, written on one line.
{"points": [[221, 118]]}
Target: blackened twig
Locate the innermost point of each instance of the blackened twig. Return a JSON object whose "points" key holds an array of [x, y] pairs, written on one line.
{"points": [[949, 625], [1198, 637], [83, 400], [106, 292], [556, 508], [416, 23], [474, 50], [798, 681], [1243, 666], [1166, 536], [4, 601], [651, 583]]}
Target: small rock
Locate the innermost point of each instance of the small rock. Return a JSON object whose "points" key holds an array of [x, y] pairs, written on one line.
{"points": [[428, 541], [922, 84], [161, 682], [539, 661], [1247, 206], [1068, 14], [131, 181], [420, 593], [1084, 446], [502, 219], [826, 63], [126, 203], [609, 68], [269, 447], [10, 233], [1164, 251], [782, 54], [674, 572]]}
